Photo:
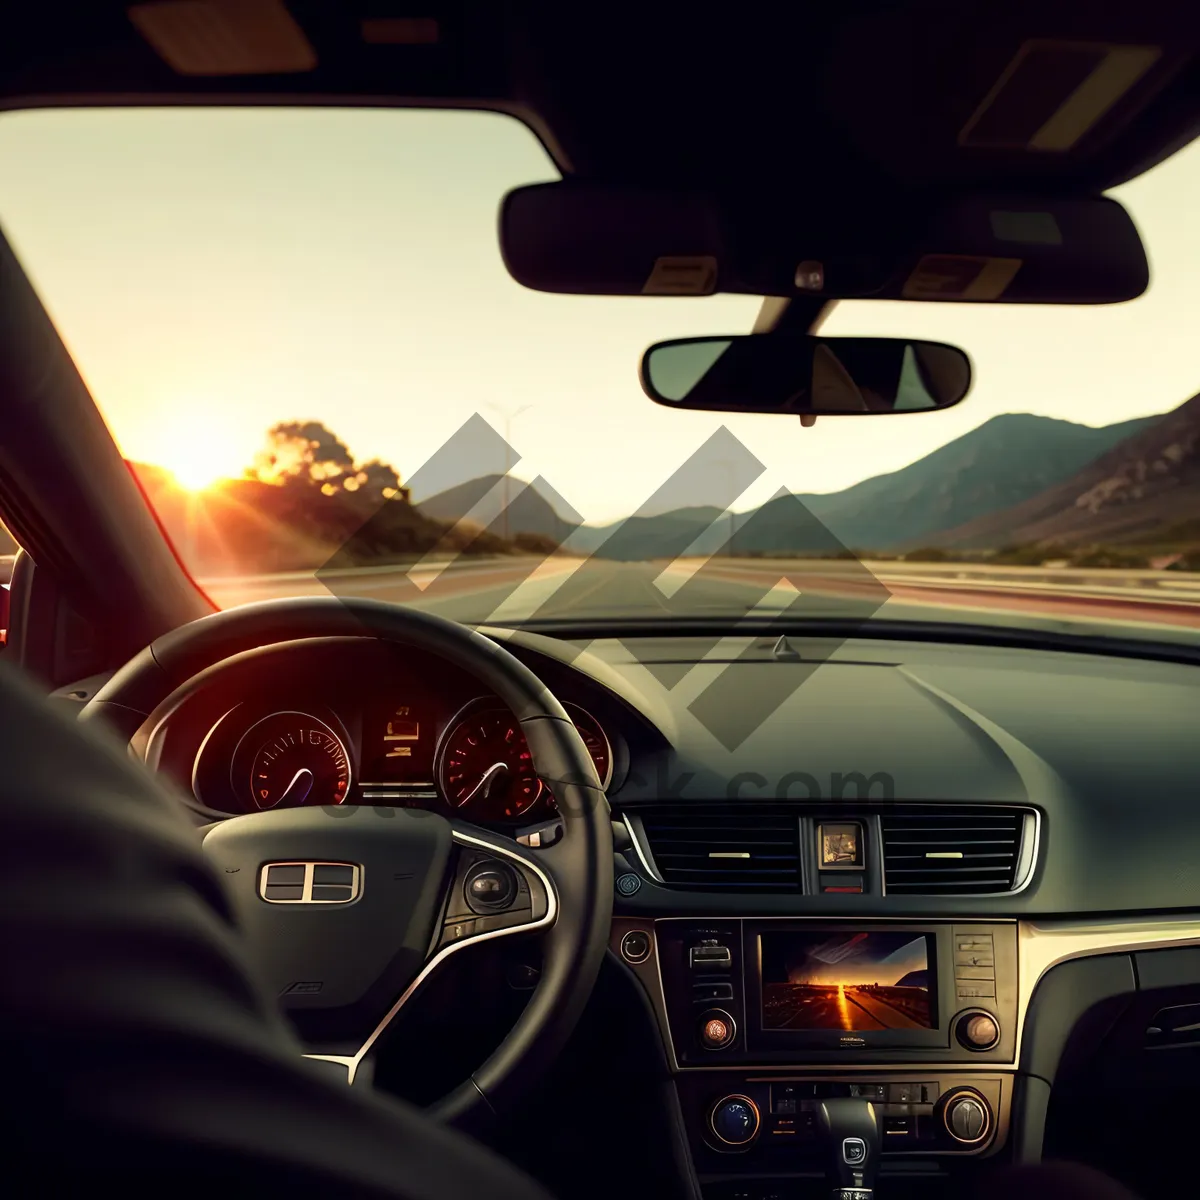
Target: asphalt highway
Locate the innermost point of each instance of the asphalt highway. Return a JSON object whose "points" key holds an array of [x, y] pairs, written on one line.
{"points": [[515, 590]]}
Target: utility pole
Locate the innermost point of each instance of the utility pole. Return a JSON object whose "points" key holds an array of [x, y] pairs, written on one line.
{"points": [[508, 416]]}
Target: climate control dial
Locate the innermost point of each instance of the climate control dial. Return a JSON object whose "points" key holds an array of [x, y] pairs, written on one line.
{"points": [[977, 1030], [968, 1118], [734, 1121]]}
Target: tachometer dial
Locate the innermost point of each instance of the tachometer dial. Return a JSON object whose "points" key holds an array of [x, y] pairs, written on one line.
{"points": [[290, 759], [485, 766]]}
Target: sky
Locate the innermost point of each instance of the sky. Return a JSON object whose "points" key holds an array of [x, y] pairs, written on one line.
{"points": [[864, 966], [213, 271]]}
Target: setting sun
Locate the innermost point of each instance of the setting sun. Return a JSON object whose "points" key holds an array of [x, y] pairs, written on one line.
{"points": [[195, 476], [198, 452]]}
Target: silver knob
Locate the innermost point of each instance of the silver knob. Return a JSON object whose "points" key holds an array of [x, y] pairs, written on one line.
{"points": [[968, 1118]]}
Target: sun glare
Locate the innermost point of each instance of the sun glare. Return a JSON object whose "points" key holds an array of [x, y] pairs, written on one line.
{"points": [[195, 476], [197, 453]]}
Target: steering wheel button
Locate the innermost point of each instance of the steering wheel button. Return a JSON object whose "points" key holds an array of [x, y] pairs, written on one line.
{"points": [[628, 884], [635, 946]]}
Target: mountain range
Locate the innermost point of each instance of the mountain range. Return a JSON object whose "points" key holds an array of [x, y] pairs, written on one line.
{"points": [[1139, 491], [1017, 478]]}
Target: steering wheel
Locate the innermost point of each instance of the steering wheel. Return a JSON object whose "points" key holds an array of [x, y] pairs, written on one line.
{"points": [[346, 910]]}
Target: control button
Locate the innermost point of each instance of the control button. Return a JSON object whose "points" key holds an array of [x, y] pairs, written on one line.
{"points": [[628, 884], [504, 920], [898, 1129], [710, 954], [712, 991], [868, 1091], [974, 972], [635, 946], [786, 1098], [455, 931], [976, 991], [977, 1030], [734, 1120], [968, 1119], [490, 886], [974, 958], [930, 1092], [904, 1093], [717, 1029], [854, 1151], [841, 883]]}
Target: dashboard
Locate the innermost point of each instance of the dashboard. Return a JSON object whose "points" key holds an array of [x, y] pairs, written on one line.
{"points": [[909, 882], [353, 722]]}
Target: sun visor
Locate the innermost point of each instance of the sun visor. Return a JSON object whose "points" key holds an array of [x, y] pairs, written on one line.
{"points": [[604, 240], [1021, 250], [614, 240]]}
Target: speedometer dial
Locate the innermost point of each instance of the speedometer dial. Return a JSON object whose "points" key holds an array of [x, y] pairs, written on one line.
{"points": [[290, 759]]}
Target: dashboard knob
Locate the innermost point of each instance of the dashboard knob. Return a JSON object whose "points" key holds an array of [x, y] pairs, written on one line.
{"points": [[735, 1120], [968, 1118], [717, 1029], [977, 1030], [490, 886]]}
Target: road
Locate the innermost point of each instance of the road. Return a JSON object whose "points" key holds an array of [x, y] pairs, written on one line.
{"points": [[507, 590], [830, 1007]]}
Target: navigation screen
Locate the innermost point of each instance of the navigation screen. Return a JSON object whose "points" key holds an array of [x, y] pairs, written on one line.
{"points": [[859, 981]]}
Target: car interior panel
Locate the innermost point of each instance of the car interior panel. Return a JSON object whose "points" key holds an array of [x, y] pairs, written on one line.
{"points": [[600, 768]]}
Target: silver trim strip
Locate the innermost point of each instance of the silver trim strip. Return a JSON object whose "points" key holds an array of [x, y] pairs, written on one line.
{"points": [[353, 1062], [1042, 945], [637, 835]]}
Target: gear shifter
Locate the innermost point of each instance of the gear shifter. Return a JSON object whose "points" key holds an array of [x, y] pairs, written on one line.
{"points": [[851, 1133]]}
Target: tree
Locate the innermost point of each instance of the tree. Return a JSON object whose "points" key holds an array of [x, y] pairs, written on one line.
{"points": [[308, 455], [303, 453]]}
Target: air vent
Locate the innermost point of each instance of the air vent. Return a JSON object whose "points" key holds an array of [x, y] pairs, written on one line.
{"points": [[946, 850], [718, 847]]}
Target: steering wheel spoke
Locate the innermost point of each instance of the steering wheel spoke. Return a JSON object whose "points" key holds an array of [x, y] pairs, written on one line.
{"points": [[497, 889], [347, 910]]}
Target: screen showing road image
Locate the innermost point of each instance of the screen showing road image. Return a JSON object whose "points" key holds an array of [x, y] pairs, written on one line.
{"points": [[859, 981]]}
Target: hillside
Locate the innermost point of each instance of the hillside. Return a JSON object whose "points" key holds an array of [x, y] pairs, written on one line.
{"points": [[1002, 463], [1135, 493], [245, 526], [533, 508]]}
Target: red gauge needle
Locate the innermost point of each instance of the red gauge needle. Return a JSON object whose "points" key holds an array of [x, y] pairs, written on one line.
{"points": [[297, 791]]}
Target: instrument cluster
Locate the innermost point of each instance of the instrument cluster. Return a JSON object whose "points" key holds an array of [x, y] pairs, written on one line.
{"points": [[414, 746]]}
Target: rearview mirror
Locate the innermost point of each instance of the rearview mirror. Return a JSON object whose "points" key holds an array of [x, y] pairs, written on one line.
{"points": [[809, 376]]}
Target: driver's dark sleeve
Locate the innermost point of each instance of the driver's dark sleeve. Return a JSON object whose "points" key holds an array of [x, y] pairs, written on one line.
{"points": [[138, 1049]]}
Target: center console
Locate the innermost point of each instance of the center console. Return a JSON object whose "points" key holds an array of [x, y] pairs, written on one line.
{"points": [[772, 1024]]}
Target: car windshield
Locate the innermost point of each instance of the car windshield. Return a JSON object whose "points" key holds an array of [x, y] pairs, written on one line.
{"points": [[300, 331]]}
